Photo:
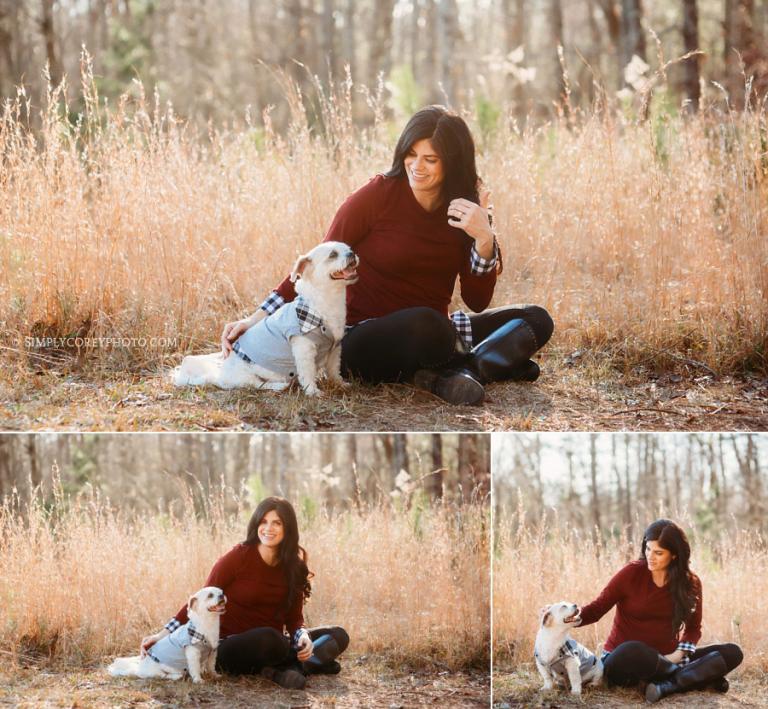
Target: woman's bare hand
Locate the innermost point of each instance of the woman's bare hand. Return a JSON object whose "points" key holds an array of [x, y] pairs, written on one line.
{"points": [[233, 330], [304, 648], [150, 640], [473, 219], [677, 656]]}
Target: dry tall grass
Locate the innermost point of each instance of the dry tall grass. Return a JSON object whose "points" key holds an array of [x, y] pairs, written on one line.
{"points": [[645, 240], [552, 562], [412, 586]]}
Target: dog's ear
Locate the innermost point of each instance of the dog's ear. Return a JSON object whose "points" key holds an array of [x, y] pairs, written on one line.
{"points": [[192, 603], [299, 267], [546, 619]]}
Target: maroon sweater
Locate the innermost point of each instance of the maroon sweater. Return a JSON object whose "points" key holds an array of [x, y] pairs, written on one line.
{"points": [[255, 592], [408, 256], [643, 611]]}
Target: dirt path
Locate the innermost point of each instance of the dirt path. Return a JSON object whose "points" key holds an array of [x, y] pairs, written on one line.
{"points": [[567, 397], [361, 684], [521, 688]]}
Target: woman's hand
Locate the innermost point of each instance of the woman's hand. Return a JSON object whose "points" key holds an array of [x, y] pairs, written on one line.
{"points": [[677, 656], [473, 219], [304, 647], [150, 640], [233, 330]]}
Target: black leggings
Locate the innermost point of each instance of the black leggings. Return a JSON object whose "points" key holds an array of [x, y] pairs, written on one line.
{"points": [[391, 348], [249, 652], [634, 661]]}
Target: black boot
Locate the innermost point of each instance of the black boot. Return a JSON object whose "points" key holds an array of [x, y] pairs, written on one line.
{"points": [[721, 684], [696, 674], [456, 386], [325, 650], [529, 372], [288, 678], [505, 354]]}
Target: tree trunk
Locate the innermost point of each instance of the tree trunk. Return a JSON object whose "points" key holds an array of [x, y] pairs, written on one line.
{"points": [[691, 85], [556, 33], [595, 496], [381, 39], [435, 480], [49, 36], [632, 37], [328, 42]]}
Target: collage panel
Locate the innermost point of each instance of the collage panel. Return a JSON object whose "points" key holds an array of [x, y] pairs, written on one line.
{"points": [[337, 215], [268, 570], [628, 568]]}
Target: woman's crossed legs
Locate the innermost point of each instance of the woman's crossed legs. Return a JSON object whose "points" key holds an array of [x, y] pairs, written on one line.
{"points": [[633, 661], [255, 649]]}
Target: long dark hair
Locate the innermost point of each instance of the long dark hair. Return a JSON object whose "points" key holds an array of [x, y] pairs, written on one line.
{"points": [[684, 585], [452, 140], [292, 556]]}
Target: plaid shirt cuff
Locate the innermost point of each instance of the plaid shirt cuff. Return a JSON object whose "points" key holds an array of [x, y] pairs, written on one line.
{"points": [[273, 302], [686, 647], [463, 327], [479, 265], [172, 624]]}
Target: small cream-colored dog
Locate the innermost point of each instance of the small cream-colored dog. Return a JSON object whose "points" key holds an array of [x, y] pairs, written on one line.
{"points": [[300, 341], [190, 648], [559, 657]]}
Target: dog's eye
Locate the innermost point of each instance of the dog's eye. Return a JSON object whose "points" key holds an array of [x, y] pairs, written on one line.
{"points": [[333, 254]]}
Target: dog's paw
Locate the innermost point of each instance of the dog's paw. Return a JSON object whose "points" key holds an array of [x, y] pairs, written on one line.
{"points": [[197, 680], [312, 390]]}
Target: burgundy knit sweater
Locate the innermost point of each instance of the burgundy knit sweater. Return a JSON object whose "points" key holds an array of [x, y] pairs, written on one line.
{"points": [[255, 592], [643, 611], [408, 256]]}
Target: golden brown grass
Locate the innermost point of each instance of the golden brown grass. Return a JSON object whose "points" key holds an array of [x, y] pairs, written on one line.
{"points": [[411, 586], [645, 240], [552, 562]]}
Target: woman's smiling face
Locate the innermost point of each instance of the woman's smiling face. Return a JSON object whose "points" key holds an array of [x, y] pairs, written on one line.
{"points": [[423, 167], [271, 531], [657, 557]]}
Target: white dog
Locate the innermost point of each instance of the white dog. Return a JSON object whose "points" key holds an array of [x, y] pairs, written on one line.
{"points": [[300, 340], [190, 648], [558, 656]]}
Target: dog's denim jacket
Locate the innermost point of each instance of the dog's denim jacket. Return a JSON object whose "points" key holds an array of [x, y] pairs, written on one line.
{"points": [[169, 650], [570, 648], [267, 343]]}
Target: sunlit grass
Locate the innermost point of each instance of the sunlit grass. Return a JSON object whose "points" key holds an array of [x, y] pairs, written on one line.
{"points": [[81, 580], [646, 241]]}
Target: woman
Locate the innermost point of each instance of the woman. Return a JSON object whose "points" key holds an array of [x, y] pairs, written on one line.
{"points": [[266, 581], [657, 624], [416, 229]]}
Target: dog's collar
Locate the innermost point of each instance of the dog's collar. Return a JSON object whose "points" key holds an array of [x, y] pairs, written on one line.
{"points": [[308, 319], [567, 649], [195, 636]]}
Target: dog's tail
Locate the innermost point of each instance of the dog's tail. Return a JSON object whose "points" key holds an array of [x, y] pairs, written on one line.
{"points": [[125, 667], [197, 370]]}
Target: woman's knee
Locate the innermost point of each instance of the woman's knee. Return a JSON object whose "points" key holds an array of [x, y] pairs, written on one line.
{"points": [[431, 325], [632, 649], [629, 662], [732, 654], [341, 637], [268, 642], [541, 322]]}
